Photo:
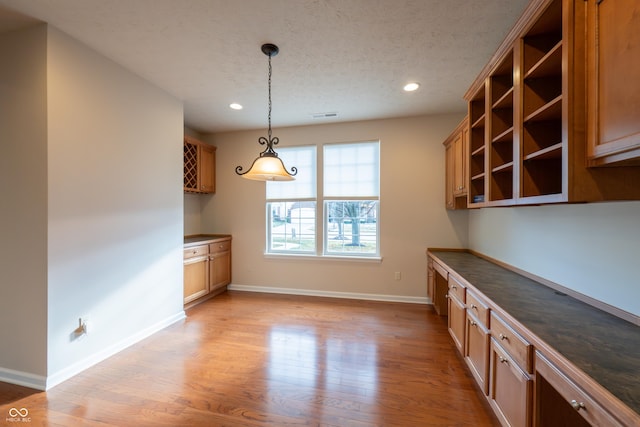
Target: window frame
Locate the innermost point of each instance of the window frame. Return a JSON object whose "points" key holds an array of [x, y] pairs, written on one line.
{"points": [[321, 214]]}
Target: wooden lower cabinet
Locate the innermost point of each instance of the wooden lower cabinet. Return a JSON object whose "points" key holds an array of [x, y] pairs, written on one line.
{"points": [[476, 350], [510, 389], [196, 283], [526, 381], [219, 265], [456, 322], [207, 270]]}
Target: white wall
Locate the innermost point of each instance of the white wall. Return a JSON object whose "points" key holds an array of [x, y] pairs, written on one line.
{"points": [[115, 206], [591, 248], [412, 216], [23, 203], [92, 215]]}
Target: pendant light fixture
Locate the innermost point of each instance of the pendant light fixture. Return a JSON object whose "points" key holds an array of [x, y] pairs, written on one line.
{"points": [[268, 166]]}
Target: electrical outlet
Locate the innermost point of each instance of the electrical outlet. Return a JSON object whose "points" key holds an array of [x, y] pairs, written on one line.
{"points": [[397, 275]]}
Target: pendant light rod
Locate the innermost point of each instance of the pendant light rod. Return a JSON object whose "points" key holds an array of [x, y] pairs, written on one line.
{"points": [[268, 166]]}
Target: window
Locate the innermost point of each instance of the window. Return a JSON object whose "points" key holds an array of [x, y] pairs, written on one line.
{"points": [[347, 224], [291, 206]]}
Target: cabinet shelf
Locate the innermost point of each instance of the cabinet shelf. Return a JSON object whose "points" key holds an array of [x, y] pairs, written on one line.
{"points": [[548, 65], [550, 110], [505, 101], [506, 136], [507, 167], [479, 123], [478, 177], [479, 151], [554, 151]]}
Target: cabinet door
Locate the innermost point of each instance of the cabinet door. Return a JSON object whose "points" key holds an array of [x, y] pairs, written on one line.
{"points": [[456, 321], [510, 389], [449, 178], [219, 270], [613, 49], [207, 171], [196, 279], [476, 352], [460, 163]]}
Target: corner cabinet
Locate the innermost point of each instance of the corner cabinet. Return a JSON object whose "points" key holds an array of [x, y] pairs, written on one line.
{"points": [[613, 65], [456, 166], [528, 108], [199, 166], [207, 267]]}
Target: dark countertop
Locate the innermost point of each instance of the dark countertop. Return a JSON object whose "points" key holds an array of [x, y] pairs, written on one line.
{"points": [[201, 239], [602, 345]]}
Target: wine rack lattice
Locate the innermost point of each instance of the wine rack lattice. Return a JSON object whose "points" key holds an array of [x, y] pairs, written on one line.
{"points": [[190, 166]]}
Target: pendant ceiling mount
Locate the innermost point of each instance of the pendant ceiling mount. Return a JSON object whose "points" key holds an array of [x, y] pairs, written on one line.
{"points": [[268, 166]]}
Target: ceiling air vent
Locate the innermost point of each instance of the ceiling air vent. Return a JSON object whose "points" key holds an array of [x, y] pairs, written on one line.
{"points": [[324, 115]]}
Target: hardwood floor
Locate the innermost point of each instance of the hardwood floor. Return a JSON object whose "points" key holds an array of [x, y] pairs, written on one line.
{"points": [[249, 359]]}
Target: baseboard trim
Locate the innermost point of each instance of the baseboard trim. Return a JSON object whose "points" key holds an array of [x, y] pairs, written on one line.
{"points": [[330, 294], [70, 371], [24, 379]]}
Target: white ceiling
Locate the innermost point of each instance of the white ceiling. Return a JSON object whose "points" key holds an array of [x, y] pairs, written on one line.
{"points": [[351, 57]]}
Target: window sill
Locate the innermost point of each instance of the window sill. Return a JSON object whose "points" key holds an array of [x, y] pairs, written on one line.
{"points": [[305, 257]]}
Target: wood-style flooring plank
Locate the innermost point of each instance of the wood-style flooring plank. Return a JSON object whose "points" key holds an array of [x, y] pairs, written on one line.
{"points": [[250, 359]]}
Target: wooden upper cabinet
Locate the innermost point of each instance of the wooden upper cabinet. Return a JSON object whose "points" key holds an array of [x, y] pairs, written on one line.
{"points": [[539, 118], [613, 78], [460, 161], [456, 166], [199, 166], [207, 169]]}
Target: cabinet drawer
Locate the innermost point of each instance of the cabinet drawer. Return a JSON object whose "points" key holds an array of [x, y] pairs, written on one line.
{"points": [[195, 251], [456, 288], [517, 347], [477, 308], [223, 246], [564, 401]]}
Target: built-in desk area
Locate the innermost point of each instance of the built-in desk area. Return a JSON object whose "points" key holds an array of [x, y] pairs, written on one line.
{"points": [[541, 357]]}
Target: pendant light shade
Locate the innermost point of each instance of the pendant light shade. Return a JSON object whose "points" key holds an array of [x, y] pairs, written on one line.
{"points": [[268, 166]]}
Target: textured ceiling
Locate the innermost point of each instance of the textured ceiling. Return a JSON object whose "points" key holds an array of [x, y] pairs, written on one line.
{"points": [[349, 57]]}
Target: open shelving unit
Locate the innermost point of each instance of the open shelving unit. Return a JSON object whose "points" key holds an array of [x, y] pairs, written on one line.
{"points": [[529, 111], [542, 144], [501, 131], [477, 164]]}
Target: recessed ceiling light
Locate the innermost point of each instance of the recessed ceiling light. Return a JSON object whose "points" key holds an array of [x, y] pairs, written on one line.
{"points": [[410, 87], [235, 106]]}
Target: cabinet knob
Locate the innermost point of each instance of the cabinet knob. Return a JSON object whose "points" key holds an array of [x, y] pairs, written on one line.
{"points": [[577, 405], [473, 323], [454, 287], [502, 337], [503, 360]]}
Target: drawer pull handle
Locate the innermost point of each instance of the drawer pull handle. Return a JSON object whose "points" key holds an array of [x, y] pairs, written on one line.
{"points": [[454, 287], [577, 405], [503, 360], [473, 323], [446, 296], [503, 337], [474, 307]]}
